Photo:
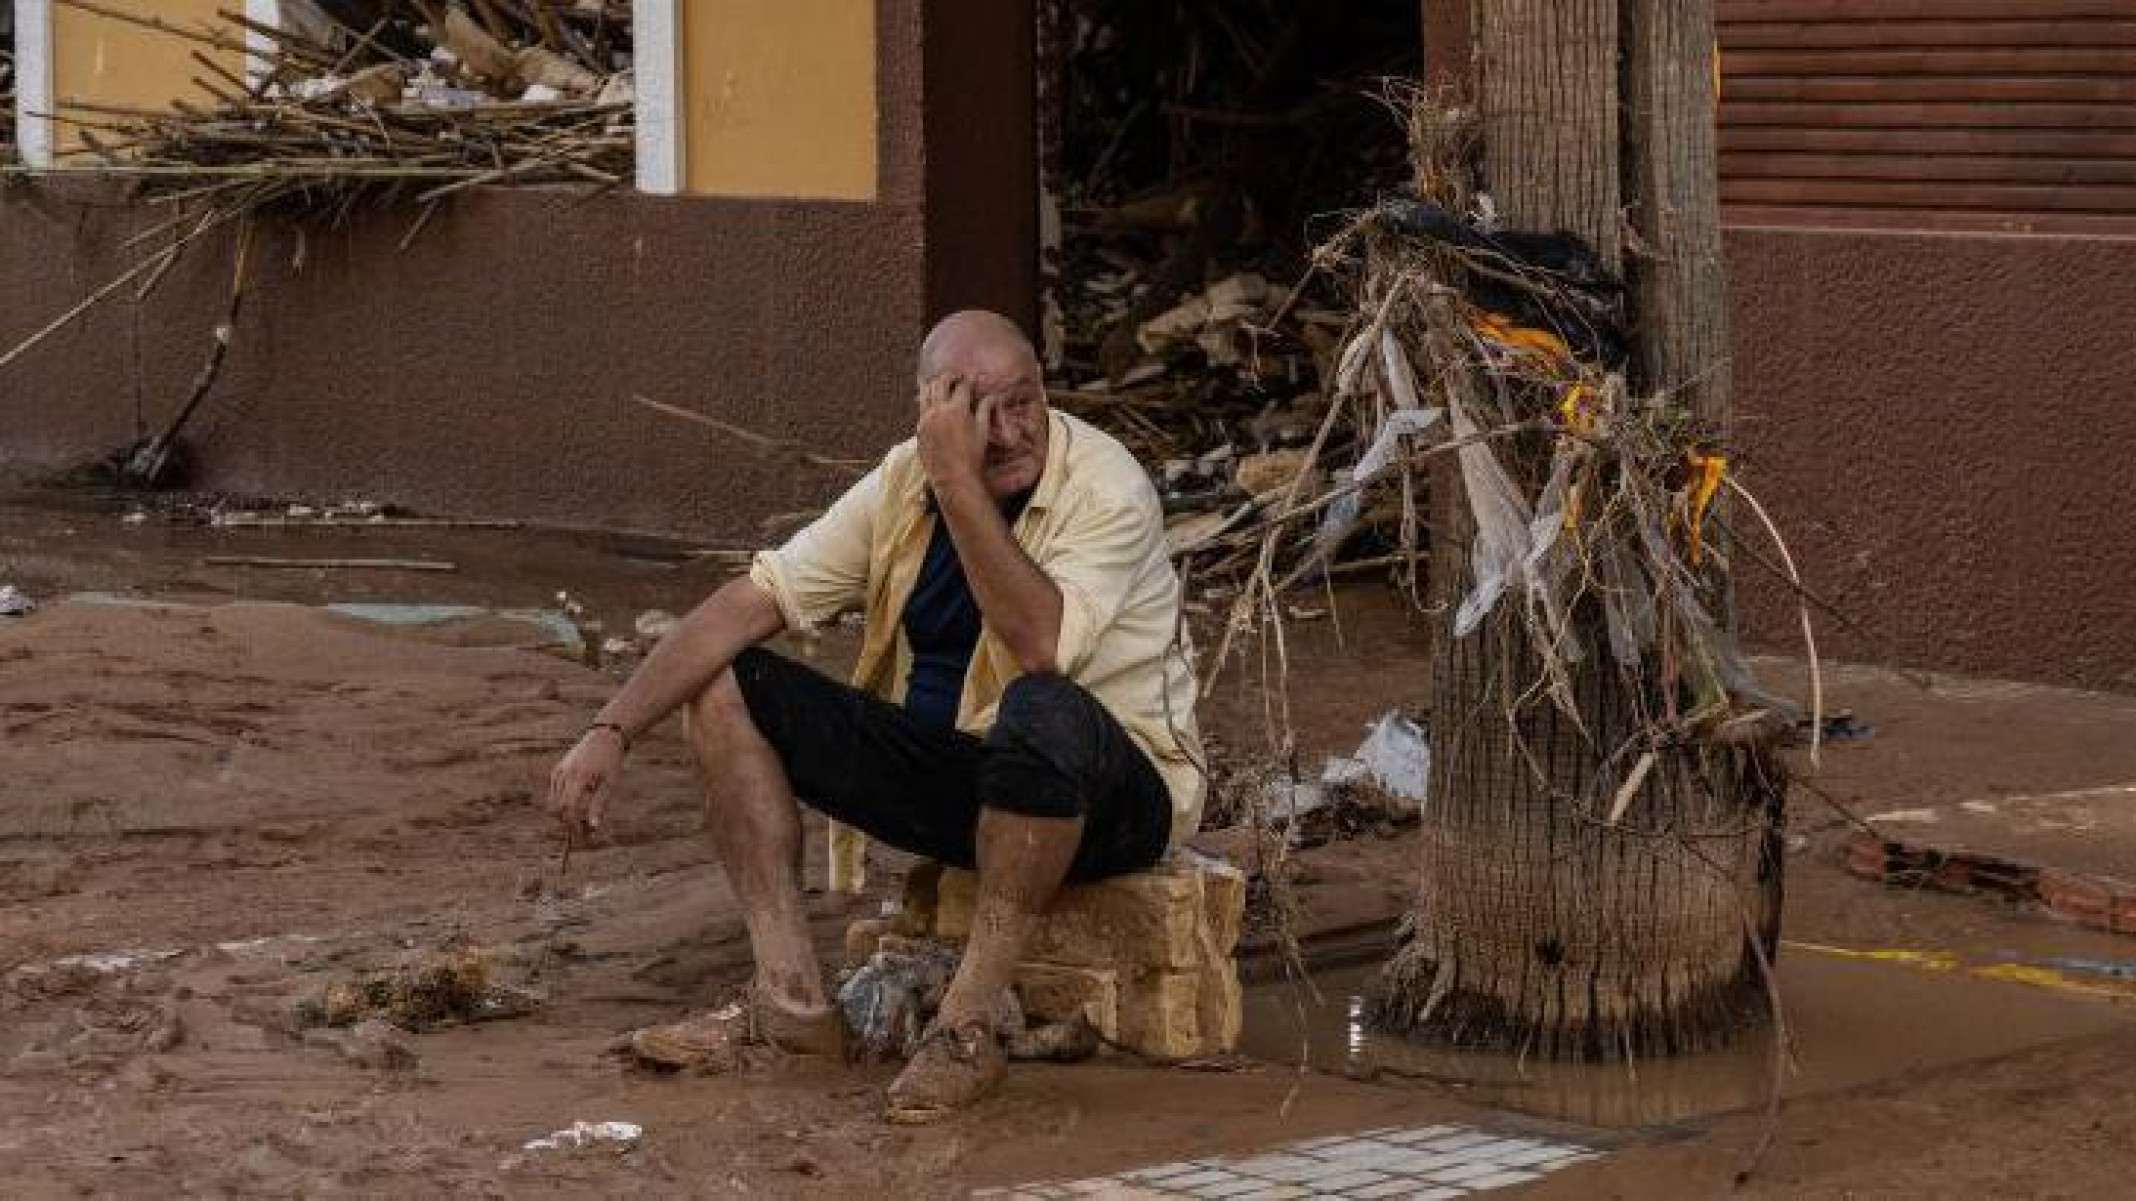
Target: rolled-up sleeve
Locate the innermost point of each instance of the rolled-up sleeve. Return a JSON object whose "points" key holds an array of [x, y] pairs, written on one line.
{"points": [[1096, 563], [823, 570]]}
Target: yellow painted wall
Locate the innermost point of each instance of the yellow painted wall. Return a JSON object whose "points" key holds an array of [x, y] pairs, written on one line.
{"points": [[778, 98], [105, 61]]}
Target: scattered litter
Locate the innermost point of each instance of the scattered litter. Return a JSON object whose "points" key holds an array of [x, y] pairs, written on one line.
{"points": [[356, 514], [2117, 969], [1905, 817], [1395, 755], [888, 999], [430, 989], [1380, 786], [579, 1135], [1977, 806], [253, 946], [14, 602], [107, 962], [1841, 727], [654, 625]]}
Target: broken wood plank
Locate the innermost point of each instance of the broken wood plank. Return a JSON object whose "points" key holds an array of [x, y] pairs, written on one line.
{"points": [[329, 564]]}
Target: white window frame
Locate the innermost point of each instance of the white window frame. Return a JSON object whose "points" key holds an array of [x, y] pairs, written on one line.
{"points": [[33, 81], [656, 33]]}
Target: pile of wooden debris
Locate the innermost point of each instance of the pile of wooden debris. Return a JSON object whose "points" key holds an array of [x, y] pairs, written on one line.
{"points": [[378, 100], [1194, 154]]}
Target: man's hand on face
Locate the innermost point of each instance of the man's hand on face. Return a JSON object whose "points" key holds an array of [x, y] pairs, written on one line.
{"points": [[953, 432], [580, 785]]}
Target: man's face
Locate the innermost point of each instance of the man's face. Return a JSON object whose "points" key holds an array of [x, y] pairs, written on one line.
{"points": [[1016, 433], [1017, 426]]}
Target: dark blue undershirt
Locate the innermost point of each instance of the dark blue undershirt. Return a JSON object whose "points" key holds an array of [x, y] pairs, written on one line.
{"points": [[941, 623]]}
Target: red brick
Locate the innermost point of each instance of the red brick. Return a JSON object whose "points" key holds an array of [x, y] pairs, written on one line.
{"points": [[2079, 898]]}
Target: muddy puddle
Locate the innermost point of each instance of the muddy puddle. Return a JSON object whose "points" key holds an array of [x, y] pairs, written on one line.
{"points": [[1853, 1023]]}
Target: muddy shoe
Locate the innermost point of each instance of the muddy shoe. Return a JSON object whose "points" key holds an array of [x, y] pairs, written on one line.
{"points": [[952, 1070], [714, 1041], [711, 1041], [820, 1031]]}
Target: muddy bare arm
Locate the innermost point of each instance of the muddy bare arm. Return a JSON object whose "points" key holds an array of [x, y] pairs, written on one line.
{"points": [[701, 646]]}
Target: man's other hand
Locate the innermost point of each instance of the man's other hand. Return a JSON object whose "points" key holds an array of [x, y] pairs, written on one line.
{"points": [[580, 785], [953, 431]]}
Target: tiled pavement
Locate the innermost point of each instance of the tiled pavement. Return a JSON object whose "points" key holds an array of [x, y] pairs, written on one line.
{"points": [[1424, 1164]]}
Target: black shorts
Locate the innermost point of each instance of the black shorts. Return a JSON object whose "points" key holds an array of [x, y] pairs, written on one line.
{"points": [[1054, 751]]}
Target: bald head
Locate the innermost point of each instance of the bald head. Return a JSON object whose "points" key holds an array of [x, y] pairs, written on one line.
{"points": [[978, 345], [983, 360]]}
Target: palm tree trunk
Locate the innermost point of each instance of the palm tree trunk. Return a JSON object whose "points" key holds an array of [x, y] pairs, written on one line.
{"points": [[1539, 925]]}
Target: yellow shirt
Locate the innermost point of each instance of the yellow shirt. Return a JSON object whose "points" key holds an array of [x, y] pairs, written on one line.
{"points": [[1093, 525]]}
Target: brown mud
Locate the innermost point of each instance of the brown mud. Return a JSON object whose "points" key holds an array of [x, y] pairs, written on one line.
{"points": [[211, 810]]}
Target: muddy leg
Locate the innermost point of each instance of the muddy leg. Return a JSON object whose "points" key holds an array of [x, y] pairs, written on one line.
{"points": [[755, 826], [1022, 862]]}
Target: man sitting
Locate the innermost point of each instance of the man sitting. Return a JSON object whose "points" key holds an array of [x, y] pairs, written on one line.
{"points": [[1023, 701]]}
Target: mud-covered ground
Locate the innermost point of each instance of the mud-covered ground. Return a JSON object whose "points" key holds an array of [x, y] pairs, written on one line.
{"points": [[211, 809]]}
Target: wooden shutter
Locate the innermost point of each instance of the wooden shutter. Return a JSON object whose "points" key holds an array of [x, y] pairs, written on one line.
{"points": [[1939, 114]]}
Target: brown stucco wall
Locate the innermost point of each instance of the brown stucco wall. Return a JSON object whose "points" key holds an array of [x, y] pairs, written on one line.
{"points": [[487, 370], [1942, 425]]}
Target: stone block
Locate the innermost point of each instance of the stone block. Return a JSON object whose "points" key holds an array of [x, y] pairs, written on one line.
{"points": [[1223, 899], [1147, 958], [1220, 1007], [956, 895], [1053, 993], [899, 944], [2079, 898], [916, 915], [1148, 919], [1160, 1014], [863, 937]]}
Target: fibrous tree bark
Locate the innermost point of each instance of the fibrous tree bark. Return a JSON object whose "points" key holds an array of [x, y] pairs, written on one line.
{"points": [[1546, 922]]}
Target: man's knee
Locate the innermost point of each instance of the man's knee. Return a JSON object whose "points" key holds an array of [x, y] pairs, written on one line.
{"points": [[723, 705], [1043, 748], [1047, 708]]}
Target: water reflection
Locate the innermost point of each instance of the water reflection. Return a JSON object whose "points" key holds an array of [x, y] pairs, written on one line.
{"points": [[1852, 1023]]}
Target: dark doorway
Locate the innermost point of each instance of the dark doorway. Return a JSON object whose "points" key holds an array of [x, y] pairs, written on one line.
{"points": [[1185, 143]]}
